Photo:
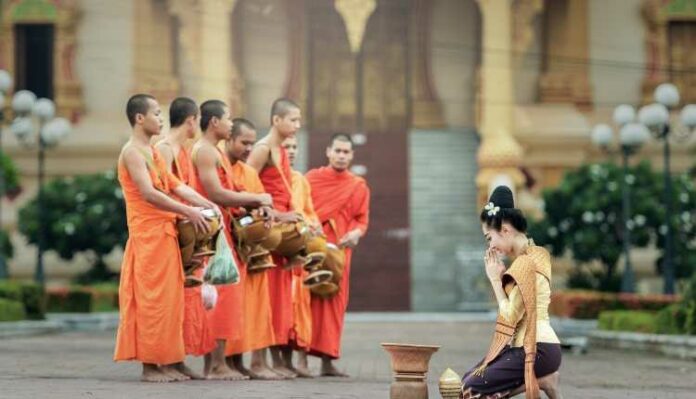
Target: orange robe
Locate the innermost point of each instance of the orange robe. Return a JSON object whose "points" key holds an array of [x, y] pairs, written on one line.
{"points": [[342, 203], [280, 280], [151, 290], [198, 339], [226, 319], [258, 321], [301, 334]]}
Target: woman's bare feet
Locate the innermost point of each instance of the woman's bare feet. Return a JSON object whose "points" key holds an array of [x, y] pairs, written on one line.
{"points": [[152, 373]]}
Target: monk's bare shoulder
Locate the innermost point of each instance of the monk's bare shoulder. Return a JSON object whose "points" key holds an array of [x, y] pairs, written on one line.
{"points": [[129, 154], [260, 155], [204, 153], [166, 150]]}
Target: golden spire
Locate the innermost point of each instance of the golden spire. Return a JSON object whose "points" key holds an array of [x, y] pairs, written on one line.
{"points": [[355, 14]]}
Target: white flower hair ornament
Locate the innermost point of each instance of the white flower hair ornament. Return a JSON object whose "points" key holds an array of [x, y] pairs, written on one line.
{"points": [[492, 209]]}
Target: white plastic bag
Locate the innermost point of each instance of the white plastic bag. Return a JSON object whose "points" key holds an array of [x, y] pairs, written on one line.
{"points": [[209, 295]]}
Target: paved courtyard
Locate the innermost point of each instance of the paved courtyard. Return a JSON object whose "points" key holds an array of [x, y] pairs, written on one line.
{"points": [[78, 365]]}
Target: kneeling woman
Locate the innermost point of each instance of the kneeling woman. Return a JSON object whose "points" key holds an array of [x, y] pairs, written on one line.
{"points": [[525, 354]]}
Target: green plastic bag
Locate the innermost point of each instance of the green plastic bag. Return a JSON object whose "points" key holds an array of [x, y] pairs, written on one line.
{"points": [[222, 268]]}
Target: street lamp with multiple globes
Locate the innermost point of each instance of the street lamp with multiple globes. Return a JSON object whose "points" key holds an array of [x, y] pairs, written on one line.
{"points": [[34, 115], [632, 136], [656, 117]]}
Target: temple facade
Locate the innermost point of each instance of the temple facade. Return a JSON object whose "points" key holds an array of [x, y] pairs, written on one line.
{"points": [[445, 99]]}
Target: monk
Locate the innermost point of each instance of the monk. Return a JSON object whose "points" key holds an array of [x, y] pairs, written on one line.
{"points": [[258, 322], [151, 290], [342, 203], [213, 179], [270, 160], [301, 334], [183, 127]]}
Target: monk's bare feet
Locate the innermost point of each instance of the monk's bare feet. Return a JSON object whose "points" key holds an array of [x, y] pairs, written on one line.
{"points": [[302, 368], [185, 370], [285, 372], [329, 370], [264, 373], [303, 372], [152, 373], [235, 363], [238, 375], [174, 373], [221, 372], [224, 372]]}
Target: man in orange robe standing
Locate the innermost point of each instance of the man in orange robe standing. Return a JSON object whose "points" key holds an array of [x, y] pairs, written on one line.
{"points": [[258, 321], [342, 202], [301, 334], [151, 289], [183, 126], [213, 179], [270, 160]]}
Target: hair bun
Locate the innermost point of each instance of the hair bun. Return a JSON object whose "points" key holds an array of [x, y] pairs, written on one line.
{"points": [[502, 197]]}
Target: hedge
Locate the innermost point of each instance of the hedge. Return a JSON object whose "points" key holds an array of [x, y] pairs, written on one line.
{"points": [[628, 320], [30, 294], [69, 300], [11, 310], [83, 299], [589, 304]]}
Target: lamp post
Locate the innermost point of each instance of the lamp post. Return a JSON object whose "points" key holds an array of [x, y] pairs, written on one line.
{"points": [[656, 117], [32, 114], [5, 86], [632, 135]]}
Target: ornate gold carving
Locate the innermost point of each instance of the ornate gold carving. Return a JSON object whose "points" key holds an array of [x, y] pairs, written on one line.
{"points": [[205, 44], [657, 15], [500, 151], [64, 15], [566, 21], [523, 29], [426, 109], [355, 14]]}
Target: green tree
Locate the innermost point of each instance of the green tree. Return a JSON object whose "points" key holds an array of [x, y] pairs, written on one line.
{"points": [[83, 214], [583, 215], [683, 226], [10, 190]]}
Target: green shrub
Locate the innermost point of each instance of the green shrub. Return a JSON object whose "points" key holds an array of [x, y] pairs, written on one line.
{"points": [[589, 304], [104, 297], [69, 300], [86, 215], [671, 320], [583, 216], [34, 299], [628, 320], [11, 310], [11, 290], [30, 294]]}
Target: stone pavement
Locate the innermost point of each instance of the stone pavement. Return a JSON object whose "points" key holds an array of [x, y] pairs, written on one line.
{"points": [[78, 365]]}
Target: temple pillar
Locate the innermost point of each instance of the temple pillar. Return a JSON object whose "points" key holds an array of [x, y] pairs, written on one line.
{"points": [[205, 63], [499, 155]]}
